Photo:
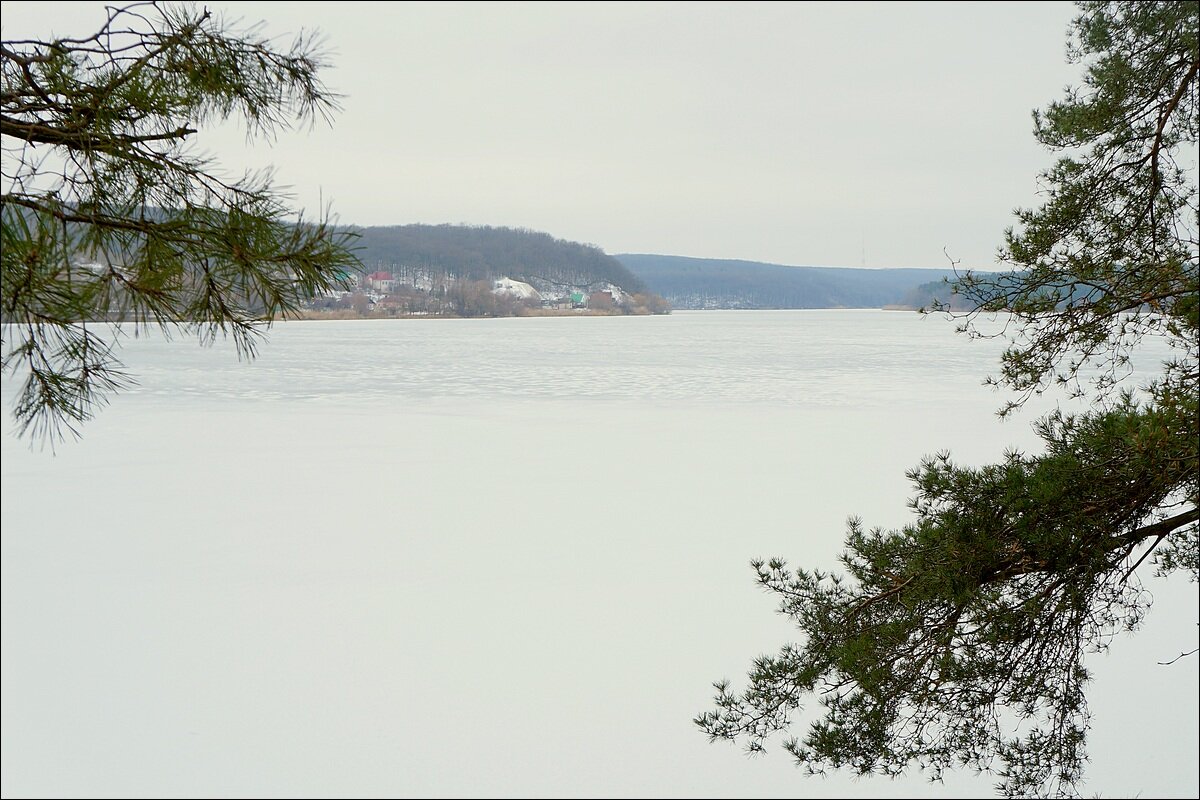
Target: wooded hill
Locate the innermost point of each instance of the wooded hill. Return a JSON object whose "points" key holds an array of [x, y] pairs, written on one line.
{"points": [[691, 283], [481, 252]]}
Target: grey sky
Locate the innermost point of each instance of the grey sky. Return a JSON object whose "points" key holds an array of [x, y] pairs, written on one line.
{"points": [[835, 134]]}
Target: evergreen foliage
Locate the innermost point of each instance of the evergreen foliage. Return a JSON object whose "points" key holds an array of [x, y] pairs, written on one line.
{"points": [[960, 640], [109, 215]]}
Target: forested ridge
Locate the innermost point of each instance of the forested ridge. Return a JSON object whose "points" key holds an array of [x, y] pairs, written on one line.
{"points": [[723, 283], [480, 252]]}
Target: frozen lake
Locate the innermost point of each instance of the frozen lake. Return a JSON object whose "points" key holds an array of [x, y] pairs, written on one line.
{"points": [[488, 558]]}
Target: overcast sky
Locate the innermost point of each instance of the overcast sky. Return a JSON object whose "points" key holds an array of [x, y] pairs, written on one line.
{"points": [[839, 134]]}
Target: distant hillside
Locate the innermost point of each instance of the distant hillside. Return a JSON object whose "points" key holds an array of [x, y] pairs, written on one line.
{"points": [[936, 293], [479, 252], [715, 283]]}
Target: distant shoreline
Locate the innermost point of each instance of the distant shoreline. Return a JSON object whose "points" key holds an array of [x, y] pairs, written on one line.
{"points": [[310, 315], [347, 314]]}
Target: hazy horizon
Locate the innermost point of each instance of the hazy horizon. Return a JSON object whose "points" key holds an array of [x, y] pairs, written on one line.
{"points": [[822, 134]]}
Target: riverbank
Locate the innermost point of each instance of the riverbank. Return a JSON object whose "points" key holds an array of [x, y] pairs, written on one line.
{"points": [[394, 313]]}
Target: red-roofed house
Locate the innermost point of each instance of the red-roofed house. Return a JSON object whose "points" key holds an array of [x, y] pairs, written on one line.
{"points": [[381, 281]]}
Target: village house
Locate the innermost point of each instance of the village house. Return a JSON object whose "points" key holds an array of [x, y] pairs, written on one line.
{"points": [[382, 282]]}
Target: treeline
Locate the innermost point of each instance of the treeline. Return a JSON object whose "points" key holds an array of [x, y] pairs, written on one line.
{"points": [[691, 283], [482, 252], [937, 294], [466, 298]]}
